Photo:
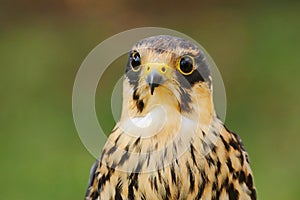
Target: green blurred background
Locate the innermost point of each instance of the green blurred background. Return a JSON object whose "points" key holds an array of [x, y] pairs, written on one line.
{"points": [[42, 44]]}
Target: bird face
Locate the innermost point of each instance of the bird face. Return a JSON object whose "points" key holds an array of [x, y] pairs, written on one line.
{"points": [[166, 71]]}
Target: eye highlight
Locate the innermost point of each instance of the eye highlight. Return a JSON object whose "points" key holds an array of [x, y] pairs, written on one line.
{"points": [[135, 61], [186, 65]]}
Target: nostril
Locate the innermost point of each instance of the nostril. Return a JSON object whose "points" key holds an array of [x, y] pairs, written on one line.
{"points": [[163, 69], [148, 68]]}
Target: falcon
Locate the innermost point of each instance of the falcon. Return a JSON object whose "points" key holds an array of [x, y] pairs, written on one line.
{"points": [[169, 142]]}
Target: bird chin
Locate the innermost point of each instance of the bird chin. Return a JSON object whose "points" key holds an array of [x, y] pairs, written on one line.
{"points": [[146, 126]]}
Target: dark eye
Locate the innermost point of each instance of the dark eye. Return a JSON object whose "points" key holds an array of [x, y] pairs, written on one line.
{"points": [[186, 65], [135, 61]]}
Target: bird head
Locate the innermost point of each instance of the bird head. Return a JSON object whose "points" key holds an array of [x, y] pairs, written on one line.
{"points": [[170, 72]]}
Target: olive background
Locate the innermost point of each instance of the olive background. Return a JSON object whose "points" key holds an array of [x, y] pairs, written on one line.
{"points": [[42, 44]]}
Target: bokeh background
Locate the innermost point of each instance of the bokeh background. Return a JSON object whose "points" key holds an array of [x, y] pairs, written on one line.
{"points": [[42, 44]]}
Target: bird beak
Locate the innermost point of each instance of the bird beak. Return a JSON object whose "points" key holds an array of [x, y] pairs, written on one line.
{"points": [[156, 75]]}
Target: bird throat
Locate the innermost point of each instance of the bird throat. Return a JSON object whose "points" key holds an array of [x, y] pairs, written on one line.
{"points": [[153, 129]]}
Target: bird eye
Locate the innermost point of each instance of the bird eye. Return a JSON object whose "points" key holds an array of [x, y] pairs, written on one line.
{"points": [[186, 65], [135, 61]]}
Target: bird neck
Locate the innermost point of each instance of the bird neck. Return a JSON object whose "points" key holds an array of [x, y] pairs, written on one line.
{"points": [[160, 118]]}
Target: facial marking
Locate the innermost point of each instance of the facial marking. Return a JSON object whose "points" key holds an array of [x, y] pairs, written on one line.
{"points": [[167, 61]]}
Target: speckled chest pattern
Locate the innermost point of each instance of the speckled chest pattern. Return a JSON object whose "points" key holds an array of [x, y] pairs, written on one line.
{"points": [[224, 173]]}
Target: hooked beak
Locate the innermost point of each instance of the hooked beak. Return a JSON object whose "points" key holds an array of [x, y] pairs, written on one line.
{"points": [[156, 75]]}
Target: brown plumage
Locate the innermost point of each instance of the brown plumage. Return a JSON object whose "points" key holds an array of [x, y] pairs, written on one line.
{"points": [[169, 143]]}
